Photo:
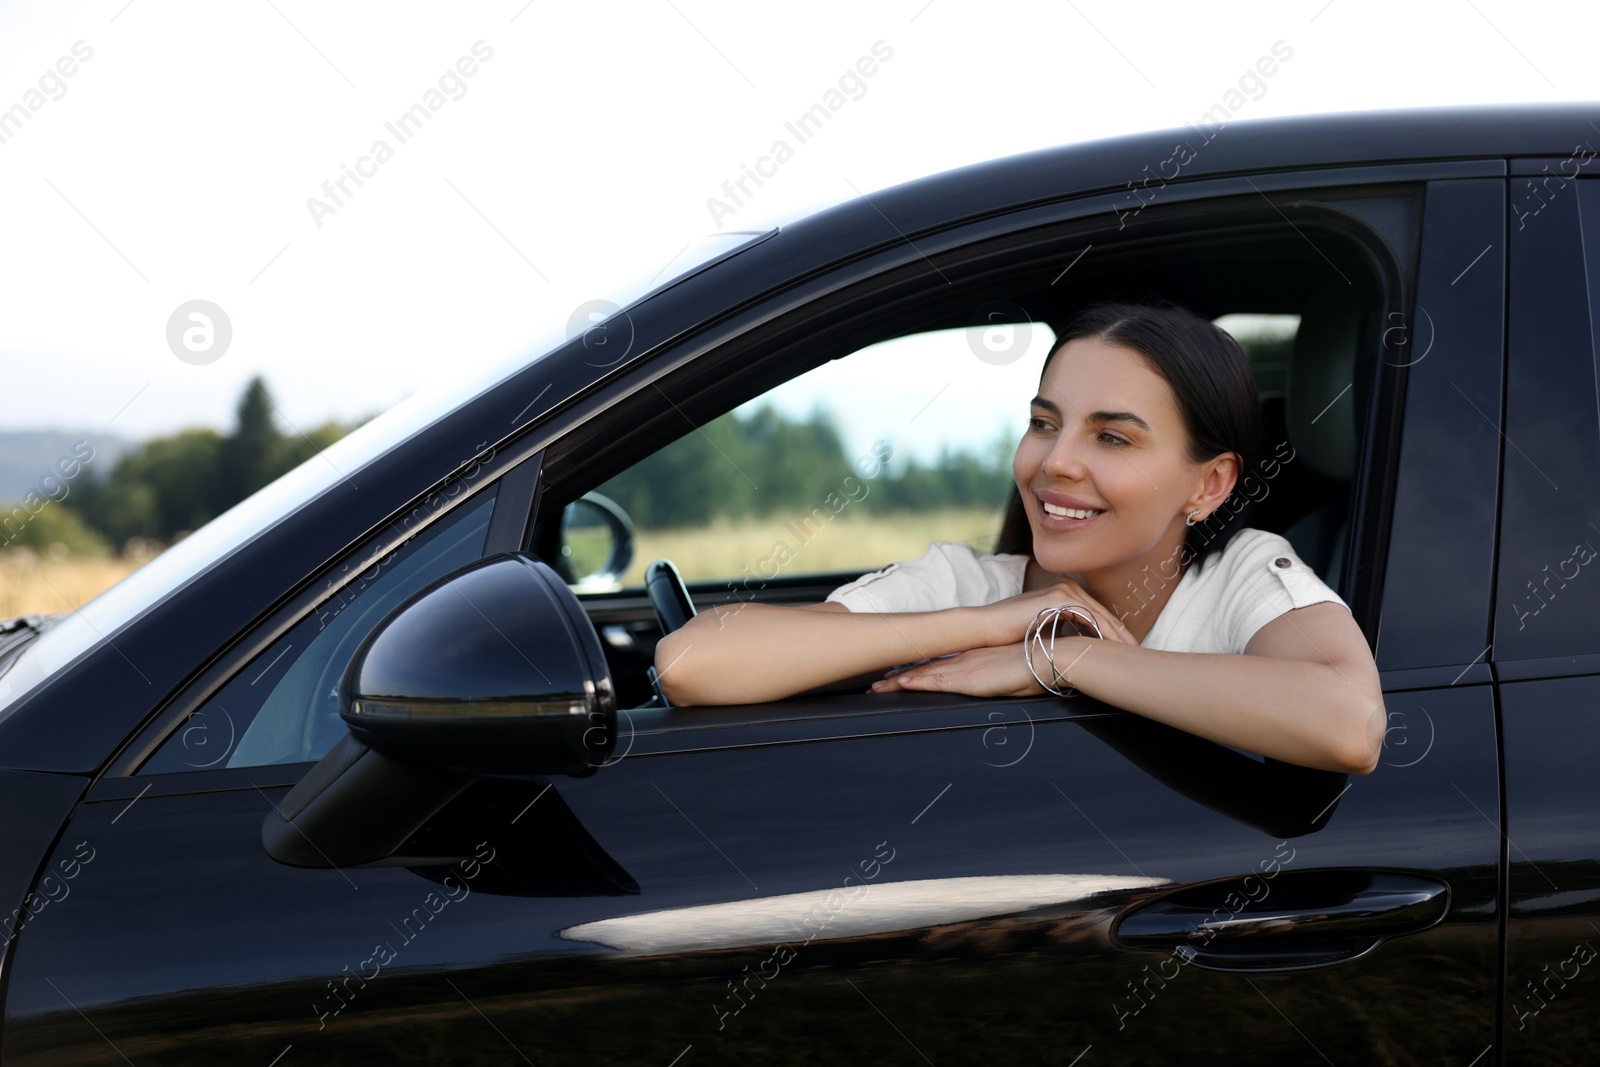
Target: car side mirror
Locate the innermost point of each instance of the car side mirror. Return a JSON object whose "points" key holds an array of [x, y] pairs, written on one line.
{"points": [[492, 670]]}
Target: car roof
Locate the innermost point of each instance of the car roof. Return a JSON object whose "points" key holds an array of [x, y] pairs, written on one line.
{"points": [[1117, 164]]}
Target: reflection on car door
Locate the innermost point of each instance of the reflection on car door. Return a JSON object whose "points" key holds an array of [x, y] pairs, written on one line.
{"points": [[944, 890]]}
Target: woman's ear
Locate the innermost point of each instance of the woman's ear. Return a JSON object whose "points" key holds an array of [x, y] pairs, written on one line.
{"points": [[1218, 476]]}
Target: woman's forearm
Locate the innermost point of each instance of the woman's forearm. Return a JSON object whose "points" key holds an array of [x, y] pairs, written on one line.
{"points": [[747, 653], [1311, 714]]}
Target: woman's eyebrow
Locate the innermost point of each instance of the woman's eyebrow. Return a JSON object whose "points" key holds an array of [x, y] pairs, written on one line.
{"points": [[1094, 416], [1119, 416]]}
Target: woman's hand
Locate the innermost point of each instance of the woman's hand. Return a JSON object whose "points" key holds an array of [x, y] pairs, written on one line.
{"points": [[1005, 621], [999, 671]]}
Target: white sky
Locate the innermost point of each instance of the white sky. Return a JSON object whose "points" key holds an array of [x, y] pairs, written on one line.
{"points": [[177, 163]]}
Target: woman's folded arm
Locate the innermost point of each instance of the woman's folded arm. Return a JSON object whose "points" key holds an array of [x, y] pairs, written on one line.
{"points": [[748, 653]]}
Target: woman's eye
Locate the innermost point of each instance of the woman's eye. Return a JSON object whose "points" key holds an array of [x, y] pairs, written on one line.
{"points": [[1112, 439], [1039, 425]]}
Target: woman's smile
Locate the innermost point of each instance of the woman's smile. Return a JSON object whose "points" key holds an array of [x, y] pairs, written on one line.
{"points": [[1064, 512]]}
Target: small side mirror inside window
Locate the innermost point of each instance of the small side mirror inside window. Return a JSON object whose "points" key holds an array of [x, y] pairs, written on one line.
{"points": [[596, 543]]}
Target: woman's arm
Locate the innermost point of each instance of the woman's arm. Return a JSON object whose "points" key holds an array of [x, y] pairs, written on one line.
{"points": [[748, 653], [1305, 691]]}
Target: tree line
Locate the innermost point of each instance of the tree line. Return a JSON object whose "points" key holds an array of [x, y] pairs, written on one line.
{"points": [[168, 486], [767, 463], [738, 466]]}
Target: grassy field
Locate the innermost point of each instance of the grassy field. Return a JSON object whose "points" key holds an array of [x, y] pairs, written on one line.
{"points": [[33, 583], [848, 541], [45, 583]]}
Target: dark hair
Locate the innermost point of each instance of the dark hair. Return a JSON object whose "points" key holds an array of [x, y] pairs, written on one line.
{"points": [[1216, 394]]}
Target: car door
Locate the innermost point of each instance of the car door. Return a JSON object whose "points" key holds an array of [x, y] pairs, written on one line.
{"points": [[838, 877], [1547, 620]]}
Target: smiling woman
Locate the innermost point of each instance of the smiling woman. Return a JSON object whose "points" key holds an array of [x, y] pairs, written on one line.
{"points": [[1145, 418]]}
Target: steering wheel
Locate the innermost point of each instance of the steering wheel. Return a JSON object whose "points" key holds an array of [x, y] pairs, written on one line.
{"points": [[668, 595]]}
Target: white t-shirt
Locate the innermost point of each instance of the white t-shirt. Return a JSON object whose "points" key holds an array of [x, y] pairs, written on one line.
{"points": [[1216, 607]]}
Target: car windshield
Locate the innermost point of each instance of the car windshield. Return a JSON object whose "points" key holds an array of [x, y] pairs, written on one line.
{"points": [[71, 635]]}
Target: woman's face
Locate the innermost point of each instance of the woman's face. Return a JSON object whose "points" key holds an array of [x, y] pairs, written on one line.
{"points": [[1104, 466]]}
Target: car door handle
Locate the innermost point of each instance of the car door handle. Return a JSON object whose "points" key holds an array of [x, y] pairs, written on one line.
{"points": [[1293, 921]]}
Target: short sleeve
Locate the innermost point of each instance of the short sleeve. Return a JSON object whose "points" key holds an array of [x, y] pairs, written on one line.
{"points": [[1267, 580], [948, 575], [1221, 604]]}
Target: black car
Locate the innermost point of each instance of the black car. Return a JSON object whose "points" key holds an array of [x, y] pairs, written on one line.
{"points": [[371, 770]]}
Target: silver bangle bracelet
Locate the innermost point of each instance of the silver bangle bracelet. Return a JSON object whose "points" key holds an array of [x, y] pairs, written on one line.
{"points": [[1083, 623]]}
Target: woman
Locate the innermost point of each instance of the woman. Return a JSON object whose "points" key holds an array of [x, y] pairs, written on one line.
{"points": [[1146, 419]]}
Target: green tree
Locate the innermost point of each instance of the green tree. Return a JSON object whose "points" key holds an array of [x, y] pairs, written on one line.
{"points": [[762, 463], [766, 463], [164, 487], [244, 463], [170, 485], [794, 464]]}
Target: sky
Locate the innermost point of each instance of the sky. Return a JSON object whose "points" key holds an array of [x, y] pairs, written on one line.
{"points": [[162, 153]]}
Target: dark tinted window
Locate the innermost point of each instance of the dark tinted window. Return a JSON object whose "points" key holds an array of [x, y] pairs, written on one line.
{"points": [[283, 707]]}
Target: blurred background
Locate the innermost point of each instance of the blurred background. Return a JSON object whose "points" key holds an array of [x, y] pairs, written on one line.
{"points": [[235, 232]]}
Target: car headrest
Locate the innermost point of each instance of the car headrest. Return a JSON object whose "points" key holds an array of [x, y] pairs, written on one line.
{"points": [[1322, 429]]}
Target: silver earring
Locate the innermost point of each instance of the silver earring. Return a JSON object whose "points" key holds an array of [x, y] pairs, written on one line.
{"points": [[1193, 516]]}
